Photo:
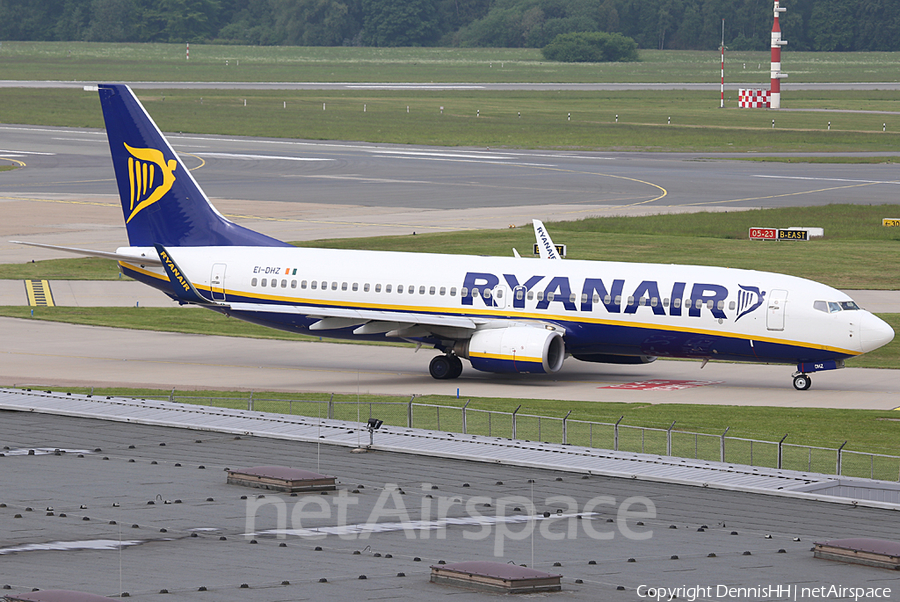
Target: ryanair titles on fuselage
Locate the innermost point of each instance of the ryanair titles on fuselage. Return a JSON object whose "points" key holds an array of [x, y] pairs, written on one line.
{"points": [[559, 290]]}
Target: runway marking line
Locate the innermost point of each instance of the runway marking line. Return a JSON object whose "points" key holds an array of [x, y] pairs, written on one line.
{"points": [[39, 294]]}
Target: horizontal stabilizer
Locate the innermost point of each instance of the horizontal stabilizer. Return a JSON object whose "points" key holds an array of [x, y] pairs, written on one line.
{"points": [[90, 253]]}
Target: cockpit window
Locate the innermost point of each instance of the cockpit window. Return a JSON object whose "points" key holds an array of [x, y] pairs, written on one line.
{"points": [[830, 307]]}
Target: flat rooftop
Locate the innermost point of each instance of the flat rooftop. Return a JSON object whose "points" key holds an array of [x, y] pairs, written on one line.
{"points": [[147, 508]]}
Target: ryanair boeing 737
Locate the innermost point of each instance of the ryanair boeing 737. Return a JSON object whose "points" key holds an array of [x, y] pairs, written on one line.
{"points": [[501, 314]]}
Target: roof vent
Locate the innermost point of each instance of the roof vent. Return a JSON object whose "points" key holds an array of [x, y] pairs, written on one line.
{"points": [[861, 550], [281, 478], [495, 577]]}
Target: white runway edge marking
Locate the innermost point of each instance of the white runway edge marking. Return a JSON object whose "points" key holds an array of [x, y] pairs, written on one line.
{"points": [[828, 179], [67, 546], [260, 157], [21, 152]]}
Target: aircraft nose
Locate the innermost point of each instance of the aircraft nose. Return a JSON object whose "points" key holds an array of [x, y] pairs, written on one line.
{"points": [[874, 332]]}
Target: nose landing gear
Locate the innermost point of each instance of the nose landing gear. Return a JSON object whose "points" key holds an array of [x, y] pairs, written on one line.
{"points": [[802, 382]]}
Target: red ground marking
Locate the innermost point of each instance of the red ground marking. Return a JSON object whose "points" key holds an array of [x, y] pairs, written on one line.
{"points": [[663, 385]]}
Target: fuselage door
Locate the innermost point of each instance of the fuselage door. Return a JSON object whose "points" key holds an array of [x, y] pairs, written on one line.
{"points": [[217, 282], [775, 310]]}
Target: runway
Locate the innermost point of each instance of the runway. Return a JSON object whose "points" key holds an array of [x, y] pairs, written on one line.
{"points": [[297, 190]]}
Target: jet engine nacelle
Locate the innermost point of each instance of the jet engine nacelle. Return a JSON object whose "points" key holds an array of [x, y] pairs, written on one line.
{"points": [[514, 349]]}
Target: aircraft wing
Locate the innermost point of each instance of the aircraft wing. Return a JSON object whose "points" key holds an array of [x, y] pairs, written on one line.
{"points": [[370, 321]]}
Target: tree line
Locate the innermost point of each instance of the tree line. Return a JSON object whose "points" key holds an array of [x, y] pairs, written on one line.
{"points": [[827, 25]]}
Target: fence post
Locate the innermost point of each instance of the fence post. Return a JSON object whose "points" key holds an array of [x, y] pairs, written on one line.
{"points": [[781, 451], [839, 452], [331, 407], [669, 439], [722, 445], [250, 402], [514, 421], [409, 415], [438, 412], [171, 395], [616, 433], [468, 401], [565, 428]]}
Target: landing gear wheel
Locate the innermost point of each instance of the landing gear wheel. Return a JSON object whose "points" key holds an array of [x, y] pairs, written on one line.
{"points": [[445, 367], [802, 382], [441, 368]]}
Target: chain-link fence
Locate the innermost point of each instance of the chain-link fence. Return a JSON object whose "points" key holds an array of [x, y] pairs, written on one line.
{"points": [[551, 429]]}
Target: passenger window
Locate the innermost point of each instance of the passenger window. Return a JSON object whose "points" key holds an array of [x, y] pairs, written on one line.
{"points": [[262, 282], [630, 300], [530, 295], [596, 298], [540, 295], [253, 282], [355, 287], [421, 290], [618, 300], [709, 305], [453, 291], [654, 301], [666, 302], [572, 297], [443, 291], [642, 301], [499, 293], [377, 288], [731, 305], [584, 297], [366, 287], [475, 292], [284, 284], [344, 286], [324, 285], [334, 285], [520, 294], [720, 305], [431, 291], [293, 284], [551, 296], [699, 303], [303, 284], [487, 293], [463, 292], [411, 289], [313, 285], [676, 302]]}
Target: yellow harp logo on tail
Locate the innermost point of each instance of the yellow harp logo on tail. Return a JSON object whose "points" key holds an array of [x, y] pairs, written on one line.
{"points": [[150, 177]]}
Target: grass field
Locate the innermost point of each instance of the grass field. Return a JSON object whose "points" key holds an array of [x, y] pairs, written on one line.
{"points": [[85, 61], [864, 430], [564, 119], [853, 236]]}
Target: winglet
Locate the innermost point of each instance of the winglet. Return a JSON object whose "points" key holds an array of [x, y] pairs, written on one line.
{"points": [[546, 248], [180, 284]]}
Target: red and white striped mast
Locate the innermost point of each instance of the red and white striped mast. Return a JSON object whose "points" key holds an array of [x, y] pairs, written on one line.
{"points": [[777, 75], [722, 101]]}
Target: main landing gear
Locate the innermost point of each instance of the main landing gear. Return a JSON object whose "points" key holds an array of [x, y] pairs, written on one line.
{"points": [[445, 367], [802, 382]]}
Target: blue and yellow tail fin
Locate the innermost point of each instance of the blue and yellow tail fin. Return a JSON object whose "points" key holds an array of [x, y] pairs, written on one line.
{"points": [[161, 201]]}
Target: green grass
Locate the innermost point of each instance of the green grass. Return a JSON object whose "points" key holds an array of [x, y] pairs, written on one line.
{"points": [[853, 236], [94, 62], [824, 160], [7, 167], [871, 431], [487, 118]]}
